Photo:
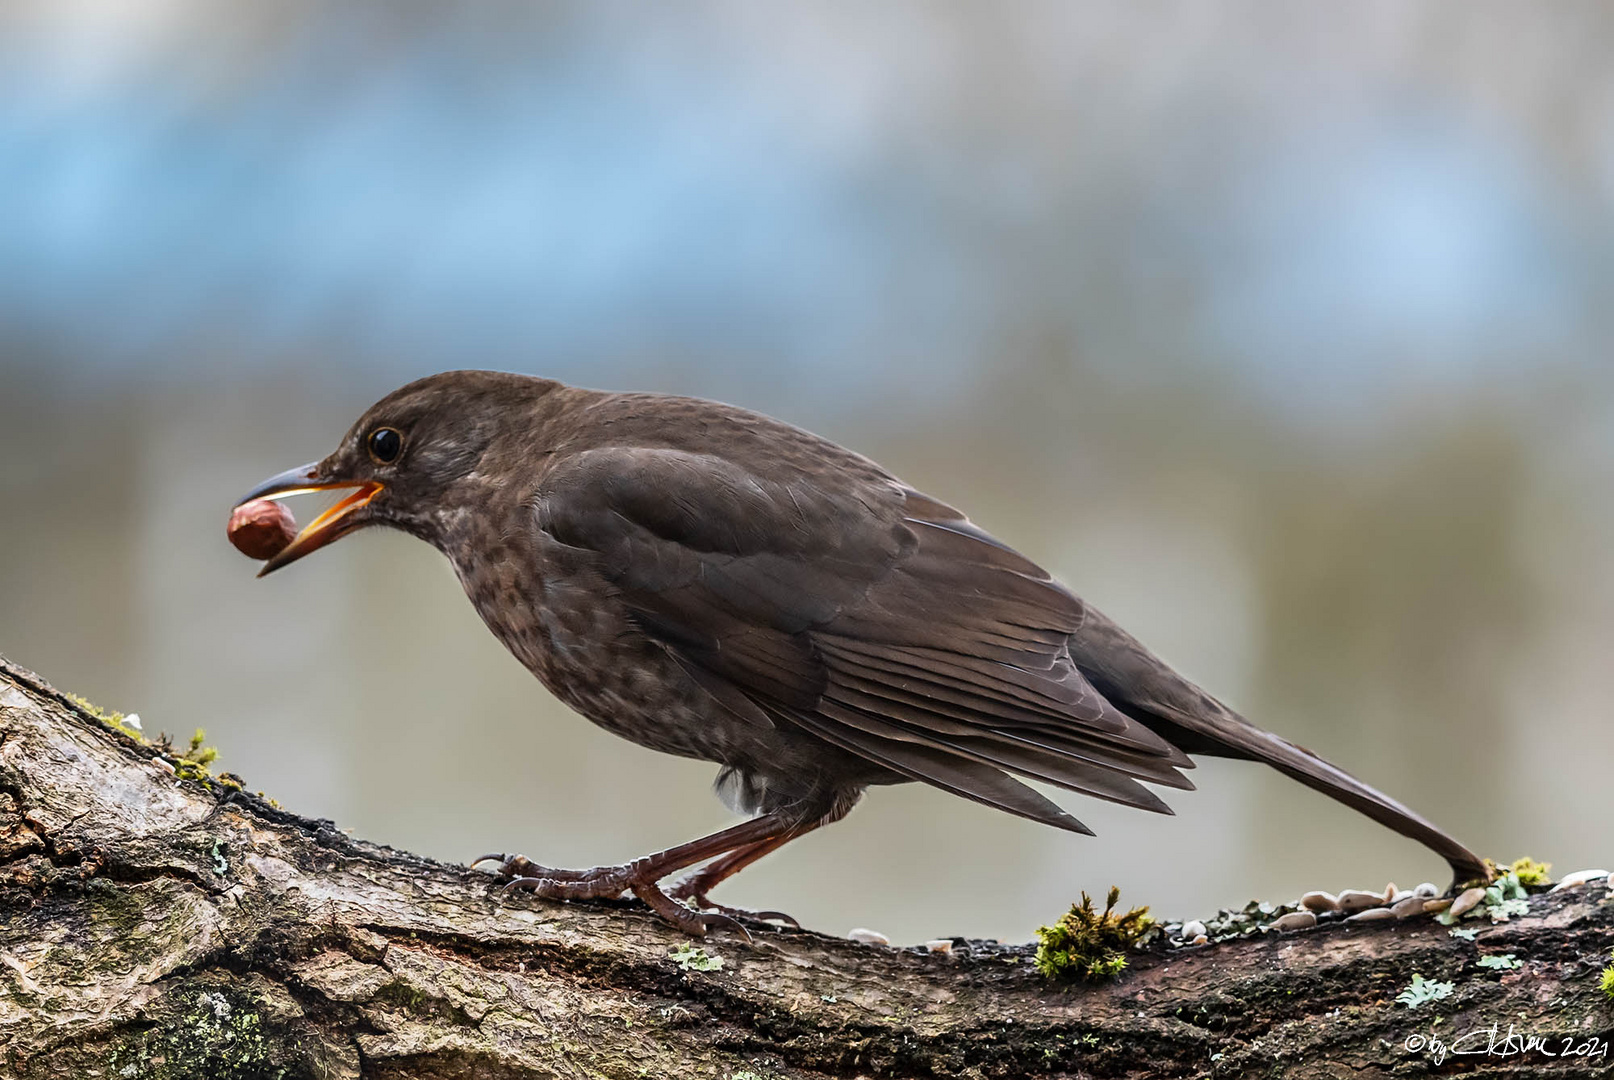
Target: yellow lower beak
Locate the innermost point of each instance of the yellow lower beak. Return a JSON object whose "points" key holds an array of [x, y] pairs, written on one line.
{"points": [[330, 526]]}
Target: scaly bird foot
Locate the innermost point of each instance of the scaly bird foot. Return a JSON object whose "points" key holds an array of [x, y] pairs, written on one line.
{"points": [[519, 866], [605, 882]]}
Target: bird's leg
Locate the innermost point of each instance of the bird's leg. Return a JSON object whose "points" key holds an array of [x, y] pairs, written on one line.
{"points": [[695, 887], [641, 875]]}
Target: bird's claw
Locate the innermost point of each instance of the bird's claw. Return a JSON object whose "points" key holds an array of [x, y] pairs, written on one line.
{"points": [[692, 922], [520, 874], [732, 913], [683, 891]]}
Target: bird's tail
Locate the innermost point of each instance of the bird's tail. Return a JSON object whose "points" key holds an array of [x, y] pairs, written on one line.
{"points": [[1315, 773], [1141, 684]]}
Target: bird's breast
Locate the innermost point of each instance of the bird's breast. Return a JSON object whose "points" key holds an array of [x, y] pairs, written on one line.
{"points": [[562, 619]]}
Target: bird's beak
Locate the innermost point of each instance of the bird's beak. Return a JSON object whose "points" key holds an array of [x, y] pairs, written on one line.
{"points": [[330, 526]]}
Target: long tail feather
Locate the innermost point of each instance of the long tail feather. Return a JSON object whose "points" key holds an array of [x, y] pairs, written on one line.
{"points": [[1136, 680]]}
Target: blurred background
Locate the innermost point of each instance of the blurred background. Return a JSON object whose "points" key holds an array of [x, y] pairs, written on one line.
{"points": [[1279, 333]]}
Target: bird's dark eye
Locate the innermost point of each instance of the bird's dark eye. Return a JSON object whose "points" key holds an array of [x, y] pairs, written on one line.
{"points": [[385, 445]]}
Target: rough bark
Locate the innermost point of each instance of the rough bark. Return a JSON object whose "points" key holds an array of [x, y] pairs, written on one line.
{"points": [[154, 927]]}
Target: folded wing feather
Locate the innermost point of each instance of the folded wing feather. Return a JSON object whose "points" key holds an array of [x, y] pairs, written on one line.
{"points": [[871, 616]]}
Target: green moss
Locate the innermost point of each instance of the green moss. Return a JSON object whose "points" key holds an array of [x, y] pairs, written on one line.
{"points": [[1089, 944], [1531, 874], [217, 1036], [1524, 871], [1605, 982], [113, 720], [192, 762]]}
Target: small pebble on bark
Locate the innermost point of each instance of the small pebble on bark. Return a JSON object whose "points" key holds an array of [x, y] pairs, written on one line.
{"points": [[1407, 906], [1579, 877], [1371, 915], [1353, 900]]}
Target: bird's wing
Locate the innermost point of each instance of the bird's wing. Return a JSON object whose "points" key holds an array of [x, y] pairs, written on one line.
{"points": [[864, 612]]}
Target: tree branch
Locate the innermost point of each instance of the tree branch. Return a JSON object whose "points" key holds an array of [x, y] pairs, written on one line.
{"points": [[158, 927]]}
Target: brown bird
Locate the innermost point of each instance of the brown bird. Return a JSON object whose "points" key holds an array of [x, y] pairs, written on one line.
{"points": [[716, 584]]}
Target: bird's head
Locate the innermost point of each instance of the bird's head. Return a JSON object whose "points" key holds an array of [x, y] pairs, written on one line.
{"points": [[413, 458]]}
